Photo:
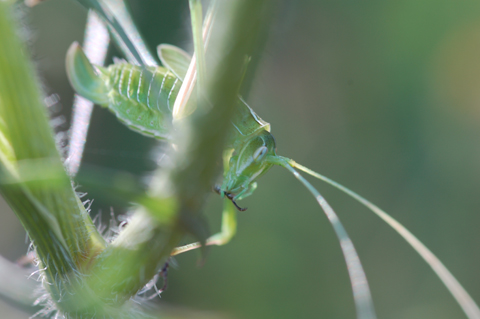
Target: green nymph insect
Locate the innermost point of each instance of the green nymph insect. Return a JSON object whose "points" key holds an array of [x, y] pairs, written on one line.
{"points": [[142, 96]]}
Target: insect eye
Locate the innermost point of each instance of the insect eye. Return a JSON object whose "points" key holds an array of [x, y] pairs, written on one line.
{"points": [[260, 153]]}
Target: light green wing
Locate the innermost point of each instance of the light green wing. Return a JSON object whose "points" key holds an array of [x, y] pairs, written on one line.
{"points": [[174, 59]]}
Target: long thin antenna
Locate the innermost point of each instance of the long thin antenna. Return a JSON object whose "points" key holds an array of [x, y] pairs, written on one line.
{"points": [[465, 301], [361, 291]]}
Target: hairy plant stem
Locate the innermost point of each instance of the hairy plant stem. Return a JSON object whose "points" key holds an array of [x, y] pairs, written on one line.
{"points": [[199, 141], [61, 230]]}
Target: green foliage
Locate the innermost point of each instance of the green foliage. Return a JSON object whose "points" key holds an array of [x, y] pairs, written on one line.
{"points": [[72, 254], [56, 221]]}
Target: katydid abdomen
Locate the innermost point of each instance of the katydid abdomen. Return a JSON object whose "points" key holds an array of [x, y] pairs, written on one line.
{"points": [[142, 97]]}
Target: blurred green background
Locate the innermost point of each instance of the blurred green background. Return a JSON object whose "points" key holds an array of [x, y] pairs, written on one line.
{"points": [[382, 96]]}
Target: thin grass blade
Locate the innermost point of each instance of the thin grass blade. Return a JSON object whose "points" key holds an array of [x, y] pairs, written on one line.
{"points": [[121, 12], [115, 27], [95, 45]]}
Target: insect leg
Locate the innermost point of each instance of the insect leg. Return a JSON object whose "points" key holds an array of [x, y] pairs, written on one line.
{"points": [[197, 22], [180, 108], [95, 45], [164, 275], [231, 197], [247, 191], [229, 219], [228, 230]]}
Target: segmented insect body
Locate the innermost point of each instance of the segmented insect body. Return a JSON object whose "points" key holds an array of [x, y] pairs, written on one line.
{"points": [[142, 97]]}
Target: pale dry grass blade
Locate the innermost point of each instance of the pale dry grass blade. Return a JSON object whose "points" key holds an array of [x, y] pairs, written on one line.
{"points": [[95, 46]]}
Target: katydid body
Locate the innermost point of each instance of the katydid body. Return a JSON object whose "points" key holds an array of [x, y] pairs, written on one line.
{"points": [[142, 97]]}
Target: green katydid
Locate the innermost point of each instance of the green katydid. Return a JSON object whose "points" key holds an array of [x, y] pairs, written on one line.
{"points": [[143, 97]]}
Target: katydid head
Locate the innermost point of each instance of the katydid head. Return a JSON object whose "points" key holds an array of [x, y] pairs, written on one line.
{"points": [[248, 162]]}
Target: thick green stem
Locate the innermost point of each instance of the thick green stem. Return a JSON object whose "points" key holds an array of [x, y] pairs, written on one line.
{"points": [[48, 208], [142, 248]]}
